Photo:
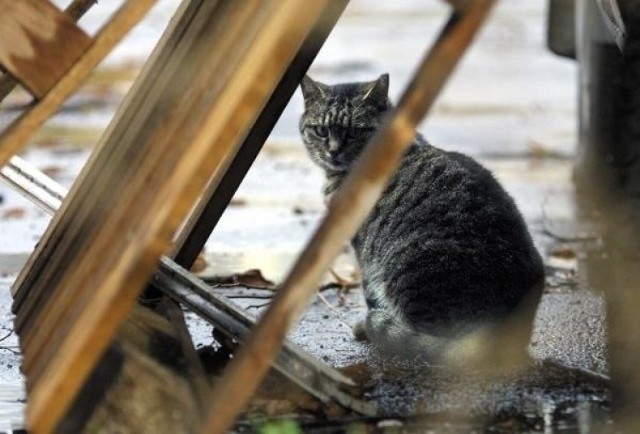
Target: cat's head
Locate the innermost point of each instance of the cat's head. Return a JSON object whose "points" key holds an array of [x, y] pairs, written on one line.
{"points": [[339, 120]]}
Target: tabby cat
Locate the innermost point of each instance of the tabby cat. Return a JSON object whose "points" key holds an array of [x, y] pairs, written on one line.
{"points": [[445, 252]]}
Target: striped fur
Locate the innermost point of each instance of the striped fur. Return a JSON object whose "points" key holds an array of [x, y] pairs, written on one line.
{"points": [[445, 254]]}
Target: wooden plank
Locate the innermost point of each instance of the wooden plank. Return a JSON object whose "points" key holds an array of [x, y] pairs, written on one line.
{"points": [[139, 150], [39, 43], [75, 10], [197, 229], [51, 239], [312, 375], [15, 136], [346, 212], [104, 391], [142, 384], [186, 129]]}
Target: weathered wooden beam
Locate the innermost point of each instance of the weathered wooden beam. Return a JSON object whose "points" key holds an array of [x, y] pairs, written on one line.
{"points": [[70, 210], [39, 43], [197, 229], [315, 377], [75, 10], [15, 136], [143, 383], [107, 391], [345, 214], [180, 129]]}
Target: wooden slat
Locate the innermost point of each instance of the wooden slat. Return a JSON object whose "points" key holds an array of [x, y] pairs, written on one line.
{"points": [[320, 380], [197, 229], [99, 158], [187, 126], [345, 214], [75, 10], [15, 136], [314, 376], [119, 189], [39, 43]]}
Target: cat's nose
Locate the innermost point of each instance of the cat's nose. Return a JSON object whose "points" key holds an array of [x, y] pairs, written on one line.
{"points": [[339, 159], [333, 145]]}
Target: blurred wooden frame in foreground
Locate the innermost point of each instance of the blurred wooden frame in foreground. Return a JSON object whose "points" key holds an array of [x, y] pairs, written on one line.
{"points": [[175, 152], [183, 121]]}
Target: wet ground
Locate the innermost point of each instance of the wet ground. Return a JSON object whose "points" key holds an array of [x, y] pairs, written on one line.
{"points": [[511, 104]]}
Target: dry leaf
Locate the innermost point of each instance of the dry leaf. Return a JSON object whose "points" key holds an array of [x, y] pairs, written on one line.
{"points": [[564, 252], [251, 279], [199, 264], [14, 213], [238, 201], [254, 279], [51, 171]]}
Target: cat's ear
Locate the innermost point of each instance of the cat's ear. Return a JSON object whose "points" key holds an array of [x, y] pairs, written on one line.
{"points": [[377, 90], [312, 90]]}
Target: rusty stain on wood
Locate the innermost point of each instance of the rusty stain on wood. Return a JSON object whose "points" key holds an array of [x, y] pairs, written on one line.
{"points": [[39, 43], [346, 212]]}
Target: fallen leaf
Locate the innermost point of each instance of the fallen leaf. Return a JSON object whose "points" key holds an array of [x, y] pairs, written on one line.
{"points": [[238, 201], [254, 279], [199, 264], [52, 171], [14, 213], [251, 279], [563, 251]]}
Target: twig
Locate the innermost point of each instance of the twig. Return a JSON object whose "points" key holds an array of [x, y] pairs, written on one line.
{"points": [[14, 352], [2, 339], [251, 296], [334, 310], [561, 238], [258, 306]]}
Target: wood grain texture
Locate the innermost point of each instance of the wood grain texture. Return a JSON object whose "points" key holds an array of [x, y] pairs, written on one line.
{"points": [[198, 227], [39, 43], [16, 135], [75, 10], [178, 129]]}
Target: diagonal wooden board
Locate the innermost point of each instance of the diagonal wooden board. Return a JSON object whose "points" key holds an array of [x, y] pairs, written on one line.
{"points": [[347, 210], [171, 136]]}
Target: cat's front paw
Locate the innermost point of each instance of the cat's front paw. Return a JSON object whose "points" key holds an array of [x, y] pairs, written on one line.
{"points": [[360, 331]]}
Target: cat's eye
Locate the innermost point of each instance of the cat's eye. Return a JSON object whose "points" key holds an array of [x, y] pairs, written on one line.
{"points": [[321, 131]]}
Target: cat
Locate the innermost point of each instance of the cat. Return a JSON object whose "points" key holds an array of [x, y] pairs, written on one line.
{"points": [[445, 253]]}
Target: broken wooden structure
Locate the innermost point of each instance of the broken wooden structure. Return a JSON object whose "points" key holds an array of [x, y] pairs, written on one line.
{"points": [[153, 190]]}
